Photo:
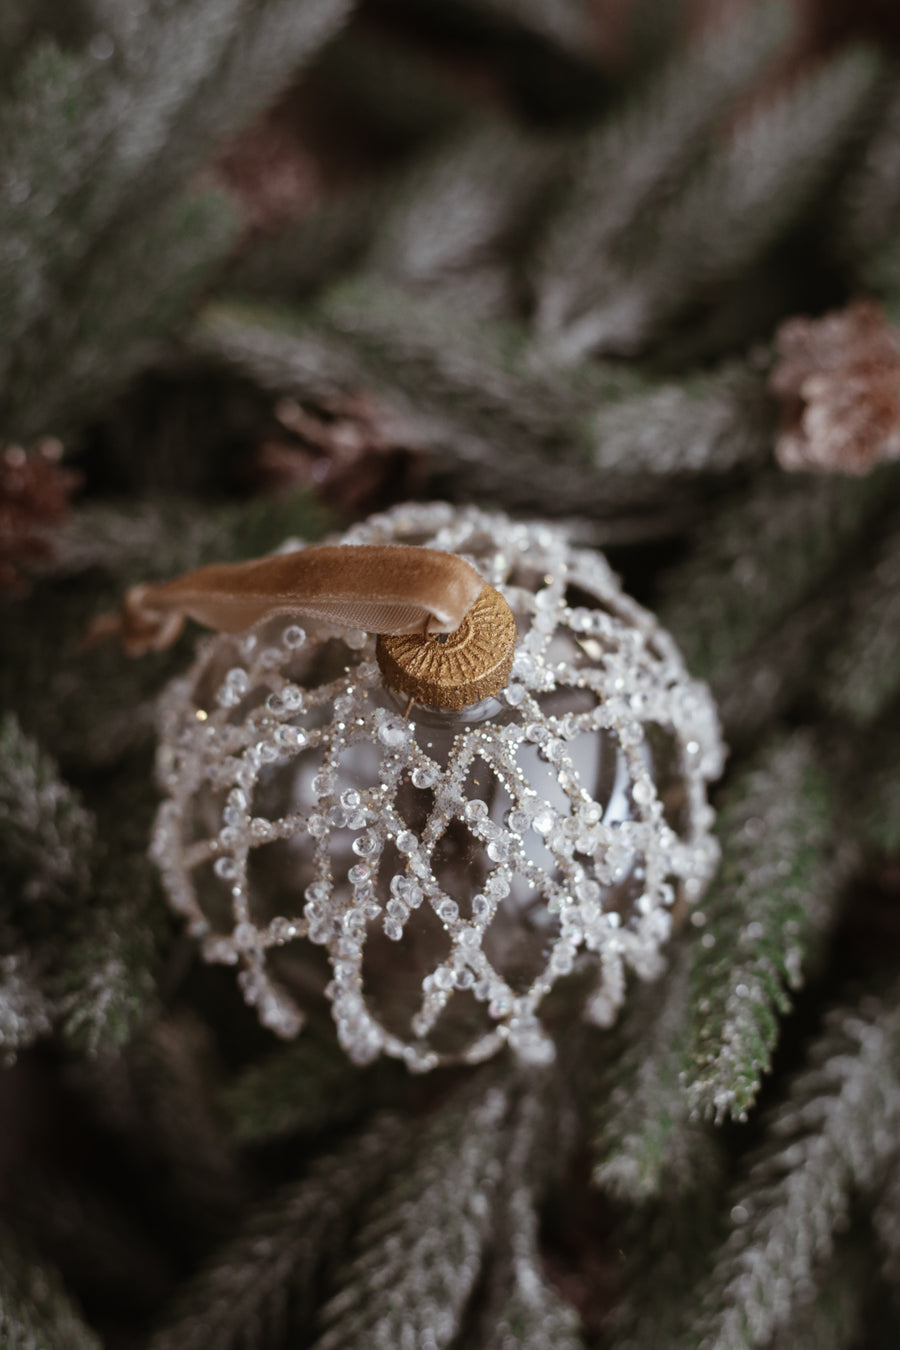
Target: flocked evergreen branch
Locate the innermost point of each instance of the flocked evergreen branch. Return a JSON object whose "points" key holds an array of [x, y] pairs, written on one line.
{"points": [[269, 43], [666, 1244], [830, 1139], [831, 1311], [468, 375], [876, 807], [773, 676], [304, 1087], [95, 1238], [419, 1249], [521, 1310], [866, 212], [469, 394], [451, 222], [753, 190], [36, 1312], [708, 423], [27, 1009], [98, 150], [562, 24], [46, 833], [630, 166], [261, 1288], [758, 559], [886, 1222], [456, 386], [168, 1074], [144, 289], [47, 839], [773, 897], [644, 1141], [138, 115], [860, 677], [106, 980]]}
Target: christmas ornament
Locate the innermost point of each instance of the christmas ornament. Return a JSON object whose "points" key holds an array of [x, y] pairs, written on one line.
{"points": [[451, 878]]}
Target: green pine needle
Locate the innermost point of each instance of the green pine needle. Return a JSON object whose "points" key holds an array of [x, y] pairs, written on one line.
{"points": [[875, 806], [828, 1141], [260, 1289], [629, 167], [760, 557], [773, 898], [644, 1141], [46, 834], [753, 190], [418, 1253], [36, 1312], [304, 1087], [520, 1310], [862, 674]]}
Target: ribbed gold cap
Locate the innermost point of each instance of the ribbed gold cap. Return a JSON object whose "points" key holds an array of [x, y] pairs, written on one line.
{"points": [[456, 669]]}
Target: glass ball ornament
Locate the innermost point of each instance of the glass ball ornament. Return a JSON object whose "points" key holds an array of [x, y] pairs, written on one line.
{"points": [[450, 881]]}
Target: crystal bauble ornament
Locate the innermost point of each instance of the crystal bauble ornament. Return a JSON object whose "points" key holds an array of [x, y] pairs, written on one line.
{"points": [[451, 881]]}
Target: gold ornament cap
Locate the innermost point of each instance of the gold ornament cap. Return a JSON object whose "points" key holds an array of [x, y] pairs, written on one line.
{"points": [[457, 669]]}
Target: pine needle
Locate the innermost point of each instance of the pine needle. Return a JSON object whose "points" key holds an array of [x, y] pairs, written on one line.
{"points": [[772, 900], [261, 1288], [418, 1252], [830, 1139], [36, 1312]]}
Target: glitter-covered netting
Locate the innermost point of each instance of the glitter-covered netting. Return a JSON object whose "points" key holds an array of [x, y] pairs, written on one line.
{"points": [[435, 876]]}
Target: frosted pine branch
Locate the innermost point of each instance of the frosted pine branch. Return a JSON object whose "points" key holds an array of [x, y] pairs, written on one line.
{"points": [[263, 1285], [708, 424], [666, 1244], [830, 1139], [831, 1313], [752, 191], [490, 418], [867, 208], [886, 1222], [631, 164], [760, 557], [139, 290], [521, 1310], [644, 1142], [860, 677], [456, 211], [98, 156], [876, 804], [36, 1312], [418, 1252], [26, 1010], [772, 900], [303, 1087], [105, 976], [46, 834]]}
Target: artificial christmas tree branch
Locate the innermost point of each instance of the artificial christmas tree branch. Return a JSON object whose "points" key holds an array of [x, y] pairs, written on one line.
{"points": [[832, 1136]]}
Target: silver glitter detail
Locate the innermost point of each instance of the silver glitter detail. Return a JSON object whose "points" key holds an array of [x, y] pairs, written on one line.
{"points": [[448, 869]]}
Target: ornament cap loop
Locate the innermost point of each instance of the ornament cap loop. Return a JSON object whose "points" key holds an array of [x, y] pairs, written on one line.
{"points": [[456, 669]]}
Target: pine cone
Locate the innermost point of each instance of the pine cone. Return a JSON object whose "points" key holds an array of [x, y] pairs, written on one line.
{"points": [[34, 494], [355, 455], [838, 382]]}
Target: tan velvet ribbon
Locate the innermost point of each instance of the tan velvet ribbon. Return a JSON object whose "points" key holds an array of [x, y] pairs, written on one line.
{"points": [[393, 589]]}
